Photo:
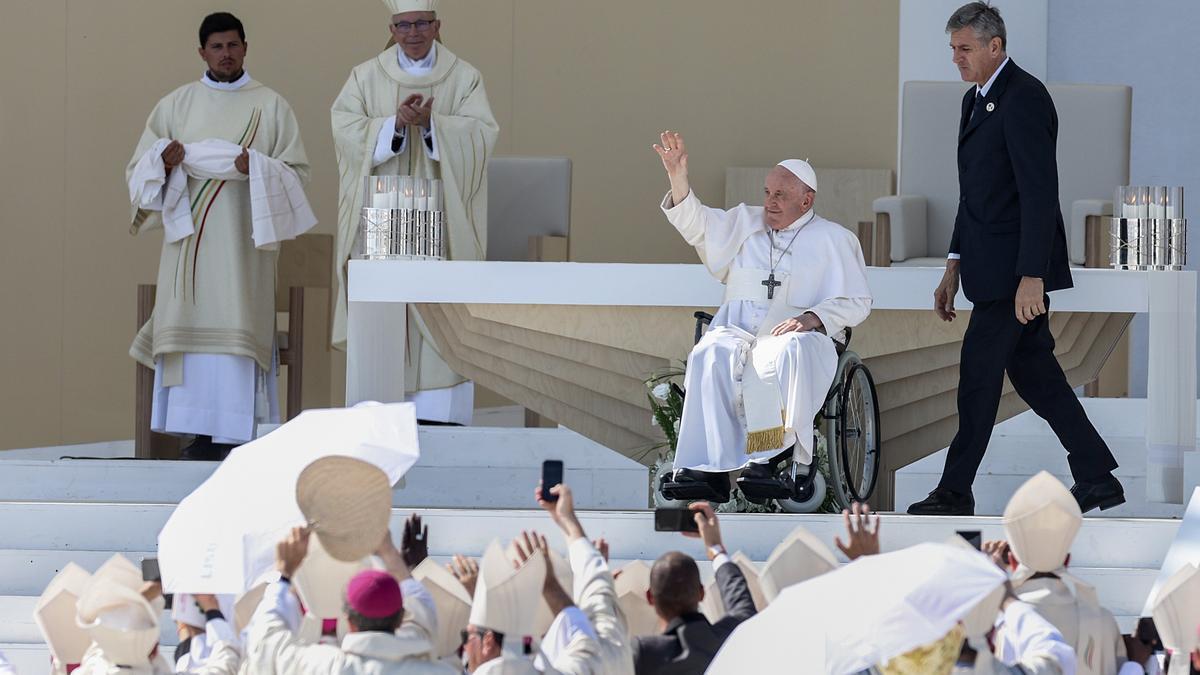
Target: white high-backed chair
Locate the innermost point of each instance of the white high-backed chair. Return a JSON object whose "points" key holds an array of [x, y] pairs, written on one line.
{"points": [[529, 208], [1093, 159]]}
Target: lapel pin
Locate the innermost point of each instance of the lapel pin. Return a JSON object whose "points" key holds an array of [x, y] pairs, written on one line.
{"points": [[991, 107]]}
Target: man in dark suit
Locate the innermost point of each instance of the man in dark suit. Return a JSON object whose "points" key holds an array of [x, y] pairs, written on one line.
{"points": [[1009, 247], [688, 641]]}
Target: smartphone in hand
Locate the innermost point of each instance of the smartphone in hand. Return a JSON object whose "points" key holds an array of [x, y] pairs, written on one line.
{"points": [[150, 570], [973, 537], [552, 474], [675, 520]]}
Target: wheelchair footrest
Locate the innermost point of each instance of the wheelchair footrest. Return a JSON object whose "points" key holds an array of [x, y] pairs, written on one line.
{"points": [[766, 488]]}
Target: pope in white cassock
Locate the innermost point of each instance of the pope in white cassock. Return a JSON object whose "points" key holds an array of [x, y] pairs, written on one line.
{"points": [[418, 110], [793, 283], [219, 168]]}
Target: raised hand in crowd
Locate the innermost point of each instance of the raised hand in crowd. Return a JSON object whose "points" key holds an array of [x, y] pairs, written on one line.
{"points": [[601, 545], [414, 543], [391, 557], [530, 544], [997, 550], [709, 528], [862, 532], [465, 570], [291, 551], [562, 510]]}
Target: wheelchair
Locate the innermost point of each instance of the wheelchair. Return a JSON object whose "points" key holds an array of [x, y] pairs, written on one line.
{"points": [[849, 422]]}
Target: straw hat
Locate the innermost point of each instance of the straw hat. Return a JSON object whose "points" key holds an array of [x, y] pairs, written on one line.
{"points": [[1177, 611], [55, 615], [631, 585], [799, 557], [452, 601], [750, 571], [120, 621], [347, 502], [1041, 521], [507, 599]]}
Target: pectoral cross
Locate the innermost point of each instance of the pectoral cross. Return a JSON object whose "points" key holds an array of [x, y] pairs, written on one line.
{"points": [[771, 285]]}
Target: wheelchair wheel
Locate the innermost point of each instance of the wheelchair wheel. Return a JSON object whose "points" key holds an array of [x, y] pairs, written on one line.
{"points": [[661, 502], [854, 452], [811, 504]]}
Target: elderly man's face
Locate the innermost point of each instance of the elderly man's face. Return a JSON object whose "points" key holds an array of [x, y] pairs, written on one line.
{"points": [[785, 198], [976, 59], [415, 32]]}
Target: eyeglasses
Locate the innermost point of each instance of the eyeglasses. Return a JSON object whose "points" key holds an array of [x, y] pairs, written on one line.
{"points": [[408, 26]]}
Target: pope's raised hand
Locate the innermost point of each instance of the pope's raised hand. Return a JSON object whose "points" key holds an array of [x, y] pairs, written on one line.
{"points": [[673, 153]]}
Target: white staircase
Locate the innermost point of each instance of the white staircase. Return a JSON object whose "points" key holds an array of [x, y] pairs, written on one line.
{"points": [[1024, 445], [56, 511]]}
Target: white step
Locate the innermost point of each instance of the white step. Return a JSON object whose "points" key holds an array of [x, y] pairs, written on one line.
{"points": [[459, 467], [1024, 445]]}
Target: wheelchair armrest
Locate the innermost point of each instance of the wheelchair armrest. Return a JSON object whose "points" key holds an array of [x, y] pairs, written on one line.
{"points": [[907, 218], [702, 319]]}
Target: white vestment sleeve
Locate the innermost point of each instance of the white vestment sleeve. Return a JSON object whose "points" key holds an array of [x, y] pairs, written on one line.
{"points": [[383, 144], [1034, 643], [690, 217], [6, 667]]}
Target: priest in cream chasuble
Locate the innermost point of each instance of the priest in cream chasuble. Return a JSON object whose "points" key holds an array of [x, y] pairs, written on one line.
{"points": [[211, 337], [794, 282], [416, 109]]}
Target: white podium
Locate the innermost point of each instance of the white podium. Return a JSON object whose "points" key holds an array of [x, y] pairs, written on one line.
{"points": [[379, 291]]}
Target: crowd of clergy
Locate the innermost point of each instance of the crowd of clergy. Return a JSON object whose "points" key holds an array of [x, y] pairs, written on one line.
{"points": [[1013, 607]]}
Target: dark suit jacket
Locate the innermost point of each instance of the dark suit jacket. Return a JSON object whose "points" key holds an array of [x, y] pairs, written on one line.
{"points": [[1009, 224], [690, 642]]}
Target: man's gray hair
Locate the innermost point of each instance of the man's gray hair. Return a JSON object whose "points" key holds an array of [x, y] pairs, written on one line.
{"points": [[981, 17]]}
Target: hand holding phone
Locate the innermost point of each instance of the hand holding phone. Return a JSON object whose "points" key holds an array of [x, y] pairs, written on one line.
{"points": [[675, 520], [552, 475]]}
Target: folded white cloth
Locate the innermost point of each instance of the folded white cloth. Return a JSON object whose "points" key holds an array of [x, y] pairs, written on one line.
{"points": [[278, 204], [279, 207]]}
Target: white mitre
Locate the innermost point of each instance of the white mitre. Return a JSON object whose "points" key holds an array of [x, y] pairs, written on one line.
{"points": [[803, 170], [1041, 521], [120, 621], [632, 582], [55, 615], [1177, 611], [799, 557], [402, 6], [506, 599], [452, 601], [321, 581], [750, 571]]}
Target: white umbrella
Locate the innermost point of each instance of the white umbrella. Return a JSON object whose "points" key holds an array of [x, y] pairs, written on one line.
{"points": [[874, 609], [221, 538]]}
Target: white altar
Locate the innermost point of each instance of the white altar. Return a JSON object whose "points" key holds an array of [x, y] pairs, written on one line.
{"points": [[379, 290]]}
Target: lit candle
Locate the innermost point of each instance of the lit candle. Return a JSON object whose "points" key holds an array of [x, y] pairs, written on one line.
{"points": [[422, 194], [1128, 202], [1157, 207], [406, 192], [380, 198], [435, 195]]}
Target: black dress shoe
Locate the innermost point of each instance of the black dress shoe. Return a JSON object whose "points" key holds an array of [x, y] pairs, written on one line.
{"points": [[1105, 492], [690, 484], [943, 502], [201, 449]]}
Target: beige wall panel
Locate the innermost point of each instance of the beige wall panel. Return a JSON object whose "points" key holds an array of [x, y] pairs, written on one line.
{"points": [[33, 117], [613, 74]]}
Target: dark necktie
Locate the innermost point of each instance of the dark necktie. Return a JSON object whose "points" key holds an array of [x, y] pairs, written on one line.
{"points": [[978, 105]]}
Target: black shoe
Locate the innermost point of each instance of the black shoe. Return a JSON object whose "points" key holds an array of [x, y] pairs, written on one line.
{"points": [[201, 449], [1105, 492], [761, 482], [690, 484], [943, 502]]}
